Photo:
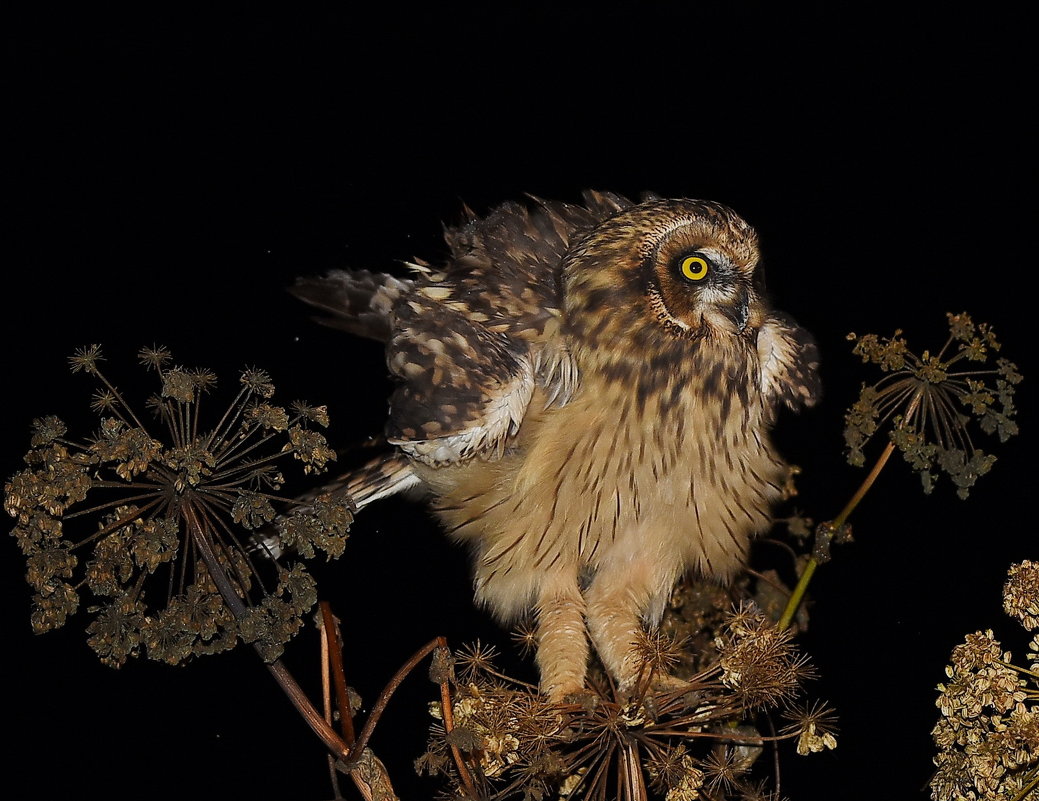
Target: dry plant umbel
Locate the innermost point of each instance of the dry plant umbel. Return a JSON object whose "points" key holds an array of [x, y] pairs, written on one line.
{"points": [[926, 405], [701, 736], [147, 516], [931, 400], [988, 733]]}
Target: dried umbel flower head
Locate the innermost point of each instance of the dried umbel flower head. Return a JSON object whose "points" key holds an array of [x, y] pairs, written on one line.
{"points": [[152, 519], [815, 726], [1021, 594], [988, 732], [673, 739], [930, 401]]}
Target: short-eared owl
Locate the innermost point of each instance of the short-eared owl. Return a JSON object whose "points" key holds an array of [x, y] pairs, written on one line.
{"points": [[584, 394]]}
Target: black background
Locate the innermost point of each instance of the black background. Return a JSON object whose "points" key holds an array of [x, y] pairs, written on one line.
{"points": [[167, 176]]}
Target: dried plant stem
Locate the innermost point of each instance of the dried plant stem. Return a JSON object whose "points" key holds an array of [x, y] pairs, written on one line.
{"points": [[330, 630], [326, 698], [314, 719], [367, 772], [629, 773], [391, 687], [449, 725]]}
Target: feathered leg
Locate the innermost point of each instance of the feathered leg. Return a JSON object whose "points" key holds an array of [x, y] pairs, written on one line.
{"points": [[618, 599], [562, 654]]}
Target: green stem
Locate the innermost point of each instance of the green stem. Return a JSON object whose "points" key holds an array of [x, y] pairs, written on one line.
{"points": [[802, 585], [794, 601]]}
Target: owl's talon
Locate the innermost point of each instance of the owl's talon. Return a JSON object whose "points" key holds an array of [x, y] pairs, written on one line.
{"points": [[666, 683], [576, 705], [584, 698]]}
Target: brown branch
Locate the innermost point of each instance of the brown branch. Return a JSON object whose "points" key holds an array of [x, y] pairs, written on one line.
{"points": [[390, 688], [449, 724], [335, 656], [326, 705], [313, 718], [367, 771]]}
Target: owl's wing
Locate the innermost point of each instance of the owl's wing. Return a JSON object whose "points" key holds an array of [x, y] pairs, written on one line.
{"points": [[357, 301], [463, 389], [477, 334], [504, 268], [789, 362], [468, 341]]}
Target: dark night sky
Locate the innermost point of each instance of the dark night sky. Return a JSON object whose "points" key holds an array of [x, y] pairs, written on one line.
{"points": [[167, 177]]}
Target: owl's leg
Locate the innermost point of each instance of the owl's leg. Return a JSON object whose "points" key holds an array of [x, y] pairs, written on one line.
{"points": [[562, 655], [618, 600]]}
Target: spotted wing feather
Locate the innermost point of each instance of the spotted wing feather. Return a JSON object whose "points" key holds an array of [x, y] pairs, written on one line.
{"points": [[357, 301], [476, 336], [504, 268], [468, 341], [463, 388]]}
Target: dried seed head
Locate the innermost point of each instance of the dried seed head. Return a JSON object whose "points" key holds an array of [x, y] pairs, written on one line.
{"points": [[931, 399], [162, 494]]}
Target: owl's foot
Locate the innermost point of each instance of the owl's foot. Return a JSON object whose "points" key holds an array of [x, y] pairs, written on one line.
{"points": [[667, 683], [585, 698], [662, 687], [669, 690], [562, 655], [562, 694]]}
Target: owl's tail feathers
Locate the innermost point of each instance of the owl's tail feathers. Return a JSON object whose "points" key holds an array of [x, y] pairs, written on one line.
{"points": [[357, 301], [380, 478]]}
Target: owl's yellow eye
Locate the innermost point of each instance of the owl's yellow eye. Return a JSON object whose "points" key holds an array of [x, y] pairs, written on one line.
{"points": [[694, 268]]}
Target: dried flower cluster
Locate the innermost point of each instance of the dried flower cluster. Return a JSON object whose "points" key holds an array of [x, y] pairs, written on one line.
{"points": [[988, 734], [931, 399], [675, 739], [147, 517], [1021, 594]]}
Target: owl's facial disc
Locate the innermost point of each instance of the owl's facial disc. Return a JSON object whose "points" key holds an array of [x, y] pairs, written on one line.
{"points": [[697, 287]]}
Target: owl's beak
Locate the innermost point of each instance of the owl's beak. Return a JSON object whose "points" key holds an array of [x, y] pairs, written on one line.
{"points": [[738, 311]]}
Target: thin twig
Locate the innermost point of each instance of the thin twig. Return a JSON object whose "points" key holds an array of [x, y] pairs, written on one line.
{"points": [[1028, 788], [390, 688]]}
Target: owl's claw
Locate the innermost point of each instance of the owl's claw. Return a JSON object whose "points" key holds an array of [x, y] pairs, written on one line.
{"points": [[585, 698], [666, 683]]}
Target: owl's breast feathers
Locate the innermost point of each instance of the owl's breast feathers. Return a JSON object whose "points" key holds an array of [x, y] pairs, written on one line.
{"points": [[558, 426], [671, 466]]}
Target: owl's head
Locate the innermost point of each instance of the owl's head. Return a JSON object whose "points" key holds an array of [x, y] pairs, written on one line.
{"points": [[664, 269]]}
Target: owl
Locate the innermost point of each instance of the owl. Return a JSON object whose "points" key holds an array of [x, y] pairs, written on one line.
{"points": [[584, 394]]}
